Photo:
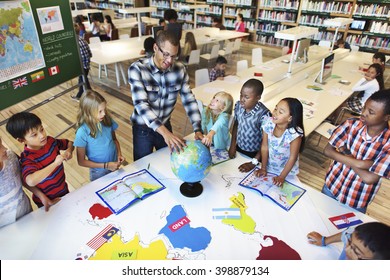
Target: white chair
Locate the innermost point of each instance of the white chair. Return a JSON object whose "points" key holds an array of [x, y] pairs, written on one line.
{"points": [[194, 58], [242, 65], [124, 36], [354, 48], [212, 55], [237, 45], [228, 51], [324, 43], [257, 56], [201, 77], [325, 129], [94, 42], [285, 50]]}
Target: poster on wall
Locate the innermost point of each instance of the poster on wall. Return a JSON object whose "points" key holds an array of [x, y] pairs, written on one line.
{"points": [[20, 49], [38, 48]]}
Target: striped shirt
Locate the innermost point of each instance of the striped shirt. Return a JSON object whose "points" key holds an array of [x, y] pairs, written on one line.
{"points": [[341, 180], [85, 52], [54, 185], [155, 93], [249, 131]]}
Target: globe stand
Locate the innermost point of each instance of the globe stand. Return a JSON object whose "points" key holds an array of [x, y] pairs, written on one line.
{"points": [[191, 189]]}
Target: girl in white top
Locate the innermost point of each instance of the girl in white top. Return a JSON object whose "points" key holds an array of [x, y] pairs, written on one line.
{"points": [[283, 139], [370, 83], [14, 203], [108, 26]]}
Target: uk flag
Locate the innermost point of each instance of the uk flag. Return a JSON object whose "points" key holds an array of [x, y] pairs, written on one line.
{"points": [[20, 82]]}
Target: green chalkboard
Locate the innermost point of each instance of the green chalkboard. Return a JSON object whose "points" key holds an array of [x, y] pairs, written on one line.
{"points": [[38, 48]]}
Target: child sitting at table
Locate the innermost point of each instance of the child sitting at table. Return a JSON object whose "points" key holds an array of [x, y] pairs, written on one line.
{"points": [[95, 27], [369, 241], [215, 120], [370, 83], [249, 115], [14, 203], [283, 140], [148, 47], [218, 72], [95, 141], [189, 45], [239, 25], [41, 161], [379, 58], [107, 26], [360, 149]]}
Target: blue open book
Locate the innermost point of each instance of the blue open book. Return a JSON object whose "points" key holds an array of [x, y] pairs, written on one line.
{"points": [[121, 193], [285, 196]]}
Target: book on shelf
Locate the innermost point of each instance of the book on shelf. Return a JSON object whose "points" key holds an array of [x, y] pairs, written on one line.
{"points": [[133, 187], [285, 196]]}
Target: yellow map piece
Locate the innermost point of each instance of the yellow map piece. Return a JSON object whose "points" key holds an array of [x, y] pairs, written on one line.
{"points": [[246, 224], [115, 249]]}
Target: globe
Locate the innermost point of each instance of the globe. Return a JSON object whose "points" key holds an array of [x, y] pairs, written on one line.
{"points": [[191, 166]]}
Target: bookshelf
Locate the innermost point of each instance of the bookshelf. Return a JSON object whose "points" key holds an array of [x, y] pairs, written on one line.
{"points": [[274, 16], [376, 32]]}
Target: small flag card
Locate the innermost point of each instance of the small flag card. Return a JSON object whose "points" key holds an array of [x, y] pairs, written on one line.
{"points": [[345, 220], [226, 213], [102, 237]]}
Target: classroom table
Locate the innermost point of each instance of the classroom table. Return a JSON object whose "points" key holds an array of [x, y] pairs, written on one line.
{"points": [[274, 75], [117, 51], [64, 231], [322, 103]]}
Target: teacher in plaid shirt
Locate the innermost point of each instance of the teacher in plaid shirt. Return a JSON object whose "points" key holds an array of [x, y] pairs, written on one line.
{"points": [[360, 149], [155, 84]]}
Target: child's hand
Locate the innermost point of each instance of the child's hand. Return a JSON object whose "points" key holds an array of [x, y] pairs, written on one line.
{"points": [[278, 180], [112, 166], [315, 238], [67, 155], [207, 140], [246, 167], [260, 172], [59, 159], [121, 159], [47, 202]]}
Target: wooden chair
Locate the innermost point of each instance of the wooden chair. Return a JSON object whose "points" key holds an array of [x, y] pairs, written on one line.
{"points": [[115, 34]]}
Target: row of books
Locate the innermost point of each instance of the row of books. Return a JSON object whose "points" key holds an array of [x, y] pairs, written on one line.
{"points": [[279, 4], [379, 27], [369, 41], [270, 27], [277, 16], [372, 10], [160, 4], [204, 19], [327, 7], [271, 40], [248, 24], [324, 35], [233, 12], [241, 2], [315, 20]]}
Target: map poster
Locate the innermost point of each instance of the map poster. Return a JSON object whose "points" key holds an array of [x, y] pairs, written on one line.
{"points": [[50, 19], [38, 48], [20, 50]]}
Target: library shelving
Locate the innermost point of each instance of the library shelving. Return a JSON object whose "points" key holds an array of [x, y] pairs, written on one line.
{"points": [[373, 18], [274, 16]]}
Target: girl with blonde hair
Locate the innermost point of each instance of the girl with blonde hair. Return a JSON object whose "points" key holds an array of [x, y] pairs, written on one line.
{"points": [[215, 121], [96, 144]]}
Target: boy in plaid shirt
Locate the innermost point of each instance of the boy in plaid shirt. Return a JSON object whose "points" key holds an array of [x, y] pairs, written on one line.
{"points": [[218, 72], [360, 151]]}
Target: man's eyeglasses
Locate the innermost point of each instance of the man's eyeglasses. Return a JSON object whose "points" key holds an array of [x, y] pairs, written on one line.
{"points": [[166, 55], [354, 249]]}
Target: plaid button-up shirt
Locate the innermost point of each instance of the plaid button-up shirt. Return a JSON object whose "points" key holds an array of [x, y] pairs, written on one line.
{"points": [[155, 93], [341, 179]]}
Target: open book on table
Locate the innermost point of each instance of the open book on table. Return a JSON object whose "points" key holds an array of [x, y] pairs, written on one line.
{"points": [[218, 155], [285, 196], [121, 193]]}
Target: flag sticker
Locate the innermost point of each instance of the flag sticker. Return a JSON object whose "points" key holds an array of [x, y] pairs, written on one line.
{"points": [[37, 76], [226, 213], [20, 82], [345, 220], [102, 237], [54, 70]]}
